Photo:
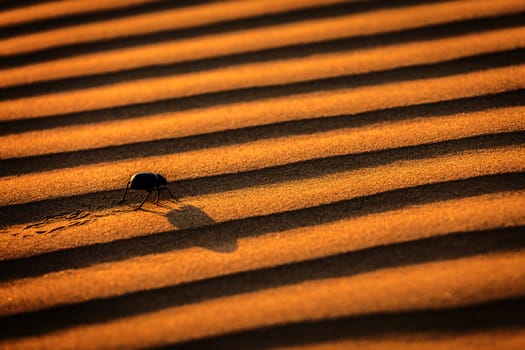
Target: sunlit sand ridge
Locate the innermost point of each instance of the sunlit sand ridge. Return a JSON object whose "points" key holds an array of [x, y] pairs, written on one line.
{"points": [[348, 173]]}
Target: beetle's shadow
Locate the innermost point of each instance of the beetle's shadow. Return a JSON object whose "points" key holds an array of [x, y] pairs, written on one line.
{"points": [[187, 217]]}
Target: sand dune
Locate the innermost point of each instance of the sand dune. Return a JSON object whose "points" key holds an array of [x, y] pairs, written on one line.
{"points": [[284, 246], [270, 110], [141, 24], [371, 292], [60, 9], [257, 39], [289, 71], [348, 173]]}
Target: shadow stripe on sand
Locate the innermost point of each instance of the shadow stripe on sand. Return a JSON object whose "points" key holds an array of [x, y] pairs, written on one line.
{"points": [[13, 4], [77, 49], [473, 64], [17, 166], [231, 231], [122, 15], [450, 247], [499, 315], [26, 212], [287, 52], [89, 16]]}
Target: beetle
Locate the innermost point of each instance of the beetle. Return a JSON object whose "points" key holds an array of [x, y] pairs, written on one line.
{"points": [[147, 182]]}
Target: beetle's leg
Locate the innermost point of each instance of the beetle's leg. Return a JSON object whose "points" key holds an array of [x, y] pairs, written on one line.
{"points": [[124, 196], [158, 195], [171, 194], [144, 201]]}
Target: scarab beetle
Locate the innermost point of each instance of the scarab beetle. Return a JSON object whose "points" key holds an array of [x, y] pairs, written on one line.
{"points": [[147, 182]]}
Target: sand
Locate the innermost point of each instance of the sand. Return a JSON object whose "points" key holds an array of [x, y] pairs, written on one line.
{"points": [[348, 174]]}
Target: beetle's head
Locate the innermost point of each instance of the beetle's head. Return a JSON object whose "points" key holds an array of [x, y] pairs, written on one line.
{"points": [[161, 180]]}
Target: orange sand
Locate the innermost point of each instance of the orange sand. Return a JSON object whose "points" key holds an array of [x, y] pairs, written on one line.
{"points": [[146, 23], [57, 9], [359, 186], [267, 74], [257, 39]]}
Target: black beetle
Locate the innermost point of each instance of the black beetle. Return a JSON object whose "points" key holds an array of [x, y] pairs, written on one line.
{"points": [[147, 182]]}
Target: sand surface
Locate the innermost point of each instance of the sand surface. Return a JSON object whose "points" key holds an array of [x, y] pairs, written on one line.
{"points": [[349, 174]]}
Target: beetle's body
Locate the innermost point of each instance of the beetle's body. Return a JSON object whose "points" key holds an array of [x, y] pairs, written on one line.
{"points": [[147, 182]]}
